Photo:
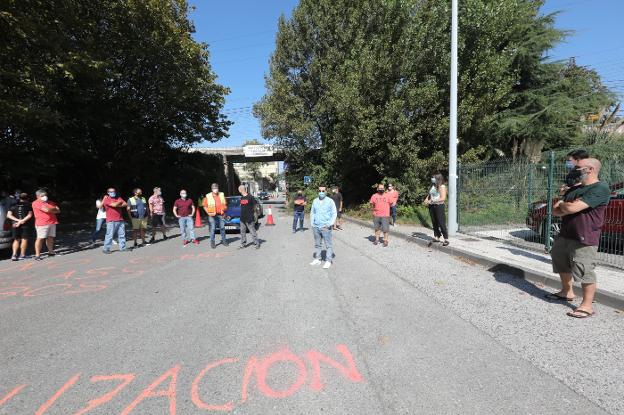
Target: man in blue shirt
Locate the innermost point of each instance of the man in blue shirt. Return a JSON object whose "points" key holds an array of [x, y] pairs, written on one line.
{"points": [[322, 218]]}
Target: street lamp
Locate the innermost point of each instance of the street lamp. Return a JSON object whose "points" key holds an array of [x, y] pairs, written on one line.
{"points": [[452, 193]]}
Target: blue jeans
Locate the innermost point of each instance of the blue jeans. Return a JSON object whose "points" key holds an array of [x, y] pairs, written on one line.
{"points": [[187, 229], [98, 227], [214, 222], [298, 219], [113, 228], [393, 213], [320, 235]]}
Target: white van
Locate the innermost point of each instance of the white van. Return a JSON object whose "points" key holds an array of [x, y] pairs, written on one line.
{"points": [[6, 236]]}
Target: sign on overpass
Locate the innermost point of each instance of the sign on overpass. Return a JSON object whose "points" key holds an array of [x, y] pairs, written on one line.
{"points": [[258, 150]]}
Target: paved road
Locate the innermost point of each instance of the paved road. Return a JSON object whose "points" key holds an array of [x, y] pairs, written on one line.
{"points": [[169, 329]]}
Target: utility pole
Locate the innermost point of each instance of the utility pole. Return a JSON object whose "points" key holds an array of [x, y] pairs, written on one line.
{"points": [[452, 193]]}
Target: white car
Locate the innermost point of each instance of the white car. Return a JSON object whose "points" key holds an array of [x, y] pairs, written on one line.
{"points": [[6, 236]]}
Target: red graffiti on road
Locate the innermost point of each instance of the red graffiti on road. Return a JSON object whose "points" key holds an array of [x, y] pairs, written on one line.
{"points": [[37, 279], [164, 390]]}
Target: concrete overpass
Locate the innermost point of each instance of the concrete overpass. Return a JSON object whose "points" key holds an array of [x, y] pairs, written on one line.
{"points": [[244, 154]]}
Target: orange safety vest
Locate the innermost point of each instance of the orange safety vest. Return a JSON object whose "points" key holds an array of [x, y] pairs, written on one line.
{"points": [[211, 205]]}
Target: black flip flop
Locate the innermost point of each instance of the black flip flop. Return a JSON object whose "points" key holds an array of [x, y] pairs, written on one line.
{"points": [[554, 296], [584, 315]]}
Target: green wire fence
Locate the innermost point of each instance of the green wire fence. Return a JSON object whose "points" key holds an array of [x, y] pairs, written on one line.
{"points": [[511, 201]]}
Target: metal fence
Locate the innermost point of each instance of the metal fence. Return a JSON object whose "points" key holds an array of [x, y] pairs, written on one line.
{"points": [[508, 200]]}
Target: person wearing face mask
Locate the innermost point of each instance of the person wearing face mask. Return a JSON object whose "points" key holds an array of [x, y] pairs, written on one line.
{"points": [[381, 202], [114, 206], [215, 206], [436, 201], [20, 213], [184, 209], [137, 208], [322, 217], [247, 217], [300, 204], [157, 211], [572, 179], [45, 212], [582, 212]]}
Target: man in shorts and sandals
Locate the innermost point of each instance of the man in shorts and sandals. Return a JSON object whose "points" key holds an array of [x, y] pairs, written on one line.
{"points": [[20, 212], [157, 211], [582, 212], [45, 213], [380, 202], [138, 210]]}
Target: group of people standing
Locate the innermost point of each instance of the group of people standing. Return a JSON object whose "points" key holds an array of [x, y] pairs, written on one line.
{"points": [[111, 214]]}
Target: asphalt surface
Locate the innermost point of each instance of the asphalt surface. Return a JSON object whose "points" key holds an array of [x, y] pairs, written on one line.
{"points": [[400, 330]]}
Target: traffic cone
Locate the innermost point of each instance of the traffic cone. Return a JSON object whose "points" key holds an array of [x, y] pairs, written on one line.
{"points": [[198, 221], [269, 220]]}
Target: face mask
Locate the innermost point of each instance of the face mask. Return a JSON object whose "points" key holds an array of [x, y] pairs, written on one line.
{"points": [[44, 198], [433, 180], [112, 194], [380, 191], [158, 193], [584, 174], [183, 195], [215, 190], [139, 194], [569, 164], [322, 195]]}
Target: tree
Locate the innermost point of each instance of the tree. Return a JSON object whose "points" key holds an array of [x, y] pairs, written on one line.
{"points": [[367, 85], [98, 92]]}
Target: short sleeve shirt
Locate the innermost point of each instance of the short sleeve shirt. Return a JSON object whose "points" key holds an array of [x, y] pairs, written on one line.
{"points": [[300, 207], [394, 196], [184, 207], [44, 218], [584, 226], [20, 209], [158, 204], [247, 204], [113, 214], [337, 198], [381, 205]]}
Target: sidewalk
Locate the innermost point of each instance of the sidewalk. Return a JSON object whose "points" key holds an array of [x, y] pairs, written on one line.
{"points": [[533, 266]]}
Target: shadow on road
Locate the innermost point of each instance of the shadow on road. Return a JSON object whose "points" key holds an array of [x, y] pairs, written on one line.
{"points": [[515, 277]]}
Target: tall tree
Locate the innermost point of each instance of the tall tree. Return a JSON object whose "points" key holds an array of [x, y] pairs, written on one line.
{"points": [[367, 84], [98, 92]]}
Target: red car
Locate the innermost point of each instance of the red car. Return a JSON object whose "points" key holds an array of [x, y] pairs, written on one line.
{"points": [[612, 230]]}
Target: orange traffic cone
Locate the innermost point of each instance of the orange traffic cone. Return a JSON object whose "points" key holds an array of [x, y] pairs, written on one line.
{"points": [[198, 221], [269, 220]]}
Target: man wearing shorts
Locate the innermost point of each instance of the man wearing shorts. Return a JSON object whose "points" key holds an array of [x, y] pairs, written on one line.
{"points": [[157, 211], [20, 213], [337, 198], [582, 210], [45, 213], [380, 202], [137, 208]]}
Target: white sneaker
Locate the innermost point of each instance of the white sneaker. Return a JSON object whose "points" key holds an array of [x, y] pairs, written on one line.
{"points": [[114, 242], [315, 262], [327, 265]]}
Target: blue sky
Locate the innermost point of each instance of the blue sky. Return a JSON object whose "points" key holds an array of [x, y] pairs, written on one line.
{"points": [[241, 35]]}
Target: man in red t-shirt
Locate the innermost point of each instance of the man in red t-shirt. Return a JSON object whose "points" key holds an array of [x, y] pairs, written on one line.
{"points": [[184, 209], [380, 202], [45, 213], [115, 224]]}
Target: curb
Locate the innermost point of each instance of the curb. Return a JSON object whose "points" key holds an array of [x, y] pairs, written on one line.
{"points": [[492, 264]]}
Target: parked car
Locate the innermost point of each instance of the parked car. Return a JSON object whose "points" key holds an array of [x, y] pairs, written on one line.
{"points": [[612, 230], [232, 214], [264, 195], [6, 236]]}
